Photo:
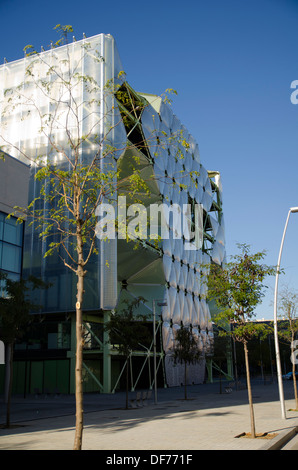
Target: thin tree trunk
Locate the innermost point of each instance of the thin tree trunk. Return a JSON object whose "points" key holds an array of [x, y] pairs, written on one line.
{"points": [[79, 361], [252, 419]]}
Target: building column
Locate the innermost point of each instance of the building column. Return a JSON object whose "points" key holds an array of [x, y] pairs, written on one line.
{"points": [[209, 370], [230, 363]]}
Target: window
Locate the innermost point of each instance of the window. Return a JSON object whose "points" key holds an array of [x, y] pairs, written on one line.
{"points": [[11, 241]]}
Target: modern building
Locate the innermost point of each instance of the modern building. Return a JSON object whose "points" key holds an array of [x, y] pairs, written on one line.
{"points": [[168, 273]]}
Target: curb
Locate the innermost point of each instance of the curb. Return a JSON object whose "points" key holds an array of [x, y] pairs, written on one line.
{"points": [[281, 439]]}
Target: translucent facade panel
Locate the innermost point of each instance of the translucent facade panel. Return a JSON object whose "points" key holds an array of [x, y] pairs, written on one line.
{"points": [[196, 311], [175, 126], [177, 314], [188, 162], [196, 153], [190, 281], [178, 249], [220, 237], [160, 160], [171, 300], [218, 183], [174, 275], [166, 246], [207, 201], [171, 170], [203, 176], [166, 115], [183, 277], [167, 265], [198, 195], [203, 336], [150, 119], [192, 190], [150, 124], [163, 133], [218, 253], [196, 285], [214, 224], [167, 334]]}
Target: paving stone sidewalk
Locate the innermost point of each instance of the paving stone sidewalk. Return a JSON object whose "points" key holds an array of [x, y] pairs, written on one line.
{"points": [[208, 420]]}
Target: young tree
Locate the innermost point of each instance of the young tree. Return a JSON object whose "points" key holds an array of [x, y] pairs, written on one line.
{"points": [[15, 308], [127, 330], [237, 289], [288, 303], [186, 351]]}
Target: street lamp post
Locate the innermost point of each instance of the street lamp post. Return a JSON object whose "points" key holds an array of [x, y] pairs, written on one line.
{"points": [[279, 375], [160, 304]]}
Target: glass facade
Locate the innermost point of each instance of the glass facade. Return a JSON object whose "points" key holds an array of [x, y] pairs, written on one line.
{"points": [[11, 242]]}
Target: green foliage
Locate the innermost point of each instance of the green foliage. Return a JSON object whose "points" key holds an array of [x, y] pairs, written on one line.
{"points": [[221, 345], [245, 331], [237, 288], [127, 329], [288, 304], [15, 306], [63, 30], [169, 91], [186, 349]]}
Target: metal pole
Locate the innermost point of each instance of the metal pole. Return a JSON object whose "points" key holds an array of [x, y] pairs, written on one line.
{"points": [[160, 304], [278, 365], [154, 354]]}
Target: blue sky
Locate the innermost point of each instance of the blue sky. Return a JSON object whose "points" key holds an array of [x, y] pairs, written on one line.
{"points": [[232, 64]]}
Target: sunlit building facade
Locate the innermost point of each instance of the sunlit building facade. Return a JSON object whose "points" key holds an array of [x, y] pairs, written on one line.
{"points": [[169, 274]]}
